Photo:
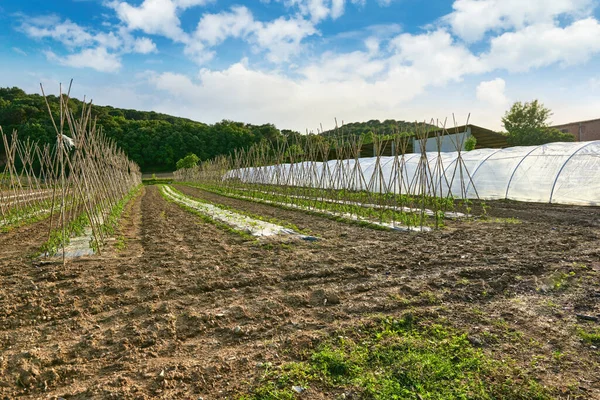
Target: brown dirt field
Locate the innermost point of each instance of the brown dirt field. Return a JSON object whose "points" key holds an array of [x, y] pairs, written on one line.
{"points": [[187, 309]]}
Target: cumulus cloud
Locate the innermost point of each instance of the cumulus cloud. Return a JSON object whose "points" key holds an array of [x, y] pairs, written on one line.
{"points": [[68, 33], [97, 58], [471, 19], [492, 92], [384, 78], [213, 29], [545, 44], [155, 17], [387, 70], [144, 46], [105, 48], [356, 84], [435, 57], [319, 10], [280, 38]]}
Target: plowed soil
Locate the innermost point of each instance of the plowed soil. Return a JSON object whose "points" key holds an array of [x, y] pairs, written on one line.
{"points": [[188, 310]]}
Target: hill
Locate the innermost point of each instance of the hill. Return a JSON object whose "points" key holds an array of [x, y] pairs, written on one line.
{"points": [[155, 141], [374, 127]]}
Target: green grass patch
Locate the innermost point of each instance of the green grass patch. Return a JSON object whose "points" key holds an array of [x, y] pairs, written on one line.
{"points": [[111, 222], [591, 336], [562, 280], [58, 236], [23, 219], [76, 227], [400, 359], [157, 181]]}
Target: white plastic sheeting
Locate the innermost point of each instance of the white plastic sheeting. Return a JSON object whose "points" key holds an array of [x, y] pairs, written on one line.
{"points": [[564, 173]]}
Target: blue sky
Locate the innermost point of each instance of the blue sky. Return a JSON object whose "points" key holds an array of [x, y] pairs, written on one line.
{"points": [[302, 63]]}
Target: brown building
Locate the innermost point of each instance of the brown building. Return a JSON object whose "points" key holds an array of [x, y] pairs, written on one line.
{"points": [[584, 131]]}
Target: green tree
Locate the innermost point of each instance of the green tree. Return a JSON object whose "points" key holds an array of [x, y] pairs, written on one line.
{"points": [[470, 143], [189, 161], [528, 124]]}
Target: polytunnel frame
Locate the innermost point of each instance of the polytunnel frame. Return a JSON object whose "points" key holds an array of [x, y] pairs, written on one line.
{"points": [[477, 169], [564, 165], [512, 175], [584, 145]]}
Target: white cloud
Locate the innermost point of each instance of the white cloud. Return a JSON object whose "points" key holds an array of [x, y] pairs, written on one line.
{"points": [[319, 10], [109, 40], [353, 85], [492, 92], [155, 17], [542, 45], [213, 29], [471, 19], [280, 38], [19, 51], [98, 58], [68, 33], [435, 57], [183, 4], [144, 46], [372, 44], [80, 41], [381, 77], [337, 8]]}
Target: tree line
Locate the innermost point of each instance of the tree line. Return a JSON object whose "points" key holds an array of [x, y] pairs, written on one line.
{"points": [[157, 141], [154, 141]]}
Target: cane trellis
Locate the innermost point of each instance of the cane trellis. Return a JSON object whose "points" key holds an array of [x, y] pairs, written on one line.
{"points": [[77, 181]]}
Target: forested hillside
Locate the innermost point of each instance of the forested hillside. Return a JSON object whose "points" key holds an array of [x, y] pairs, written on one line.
{"points": [[375, 127], [157, 141]]}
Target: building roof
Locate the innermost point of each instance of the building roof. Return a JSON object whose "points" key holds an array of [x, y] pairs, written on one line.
{"points": [[576, 123], [486, 138]]}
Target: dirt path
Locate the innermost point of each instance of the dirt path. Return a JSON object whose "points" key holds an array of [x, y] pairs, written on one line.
{"points": [[189, 310]]}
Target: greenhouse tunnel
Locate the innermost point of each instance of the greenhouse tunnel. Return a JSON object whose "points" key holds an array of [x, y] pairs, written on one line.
{"points": [[562, 173]]}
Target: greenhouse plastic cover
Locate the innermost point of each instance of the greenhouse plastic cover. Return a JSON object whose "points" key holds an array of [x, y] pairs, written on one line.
{"points": [[564, 173]]}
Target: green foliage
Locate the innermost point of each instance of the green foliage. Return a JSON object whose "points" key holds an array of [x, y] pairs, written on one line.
{"points": [[562, 280], [591, 336], [401, 359], [154, 141], [470, 143], [356, 203], [527, 124], [189, 161], [74, 228], [368, 129], [111, 222], [156, 181]]}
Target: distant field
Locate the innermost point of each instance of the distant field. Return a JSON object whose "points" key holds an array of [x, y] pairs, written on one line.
{"points": [[168, 175]]}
